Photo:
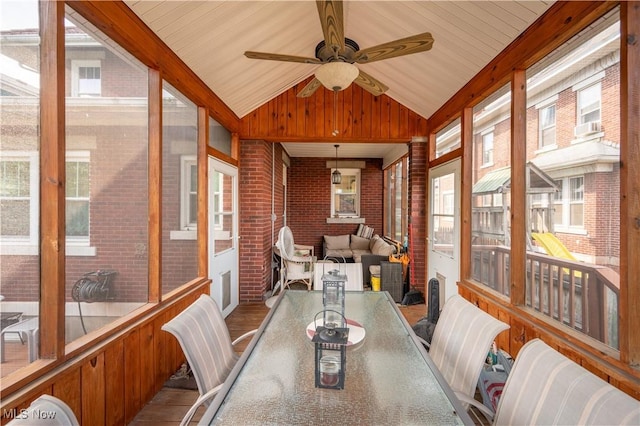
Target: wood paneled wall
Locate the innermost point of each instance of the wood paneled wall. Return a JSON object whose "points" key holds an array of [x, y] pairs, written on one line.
{"points": [[526, 327], [110, 383], [361, 117]]}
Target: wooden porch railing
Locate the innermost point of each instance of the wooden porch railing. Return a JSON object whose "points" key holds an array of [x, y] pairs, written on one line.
{"points": [[582, 296]]}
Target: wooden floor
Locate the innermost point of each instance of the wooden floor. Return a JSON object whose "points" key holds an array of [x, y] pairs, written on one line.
{"points": [[169, 406]]}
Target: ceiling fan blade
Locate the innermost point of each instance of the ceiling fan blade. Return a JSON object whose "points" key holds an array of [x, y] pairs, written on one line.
{"points": [[279, 57], [405, 46], [331, 20], [309, 89], [370, 84]]}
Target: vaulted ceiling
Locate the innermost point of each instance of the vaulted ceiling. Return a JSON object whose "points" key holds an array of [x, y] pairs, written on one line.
{"points": [[212, 36]]}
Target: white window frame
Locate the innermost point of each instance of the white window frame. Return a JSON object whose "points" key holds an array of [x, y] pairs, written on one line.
{"points": [[566, 202], [79, 157], [346, 172], [186, 162], [580, 116], [542, 127], [488, 162], [34, 200], [29, 246], [76, 64]]}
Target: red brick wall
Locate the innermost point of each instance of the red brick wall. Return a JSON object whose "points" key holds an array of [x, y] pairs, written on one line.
{"points": [[255, 217], [309, 200], [418, 156]]}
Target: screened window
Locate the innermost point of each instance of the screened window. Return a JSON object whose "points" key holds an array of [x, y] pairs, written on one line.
{"points": [[449, 138], [396, 199], [578, 232], [106, 181], [345, 196], [179, 188]]}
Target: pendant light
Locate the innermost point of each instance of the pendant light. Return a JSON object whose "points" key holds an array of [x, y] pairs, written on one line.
{"points": [[336, 177]]}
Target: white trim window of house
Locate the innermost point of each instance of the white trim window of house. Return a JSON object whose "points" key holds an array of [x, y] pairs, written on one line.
{"points": [[19, 203], [589, 104], [487, 149], [189, 193], [547, 124], [18, 200], [569, 203], [345, 196], [77, 198], [86, 78]]}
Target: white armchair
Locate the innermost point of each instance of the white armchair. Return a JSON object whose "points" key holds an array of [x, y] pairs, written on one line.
{"points": [[297, 260]]}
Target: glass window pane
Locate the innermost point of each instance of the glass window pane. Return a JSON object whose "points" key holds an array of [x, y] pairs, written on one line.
{"points": [[575, 241], [345, 195], [19, 174], [179, 189], [106, 187]]}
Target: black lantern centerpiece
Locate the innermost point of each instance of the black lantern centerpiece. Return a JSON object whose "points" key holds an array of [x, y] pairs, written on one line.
{"points": [[331, 356], [331, 337]]}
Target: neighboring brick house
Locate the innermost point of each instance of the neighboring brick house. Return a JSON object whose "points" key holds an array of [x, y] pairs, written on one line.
{"points": [[106, 183], [573, 137]]}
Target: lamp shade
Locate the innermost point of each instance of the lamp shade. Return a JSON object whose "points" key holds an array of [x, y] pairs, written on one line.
{"points": [[337, 75]]}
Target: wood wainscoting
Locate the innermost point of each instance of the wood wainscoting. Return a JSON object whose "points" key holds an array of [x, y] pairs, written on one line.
{"points": [[526, 326], [109, 383]]}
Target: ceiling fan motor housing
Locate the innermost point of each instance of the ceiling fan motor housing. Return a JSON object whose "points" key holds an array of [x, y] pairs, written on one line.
{"points": [[325, 54]]}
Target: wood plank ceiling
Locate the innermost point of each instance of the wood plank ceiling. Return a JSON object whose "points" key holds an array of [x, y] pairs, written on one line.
{"points": [[212, 36]]}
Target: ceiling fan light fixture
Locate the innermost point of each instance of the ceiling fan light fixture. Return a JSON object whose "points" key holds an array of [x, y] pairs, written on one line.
{"points": [[337, 76]]}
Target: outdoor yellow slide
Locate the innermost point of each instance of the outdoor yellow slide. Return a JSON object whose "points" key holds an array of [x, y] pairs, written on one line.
{"points": [[552, 245]]}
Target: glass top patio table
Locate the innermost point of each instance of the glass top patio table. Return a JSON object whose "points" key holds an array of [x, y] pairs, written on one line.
{"points": [[389, 379]]}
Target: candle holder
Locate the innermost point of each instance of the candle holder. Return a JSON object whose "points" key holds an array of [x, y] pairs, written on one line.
{"points": [[331, 355], [333, 295]]}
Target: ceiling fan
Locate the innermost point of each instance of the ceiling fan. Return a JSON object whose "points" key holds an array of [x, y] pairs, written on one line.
{"points": [[336, 54]]}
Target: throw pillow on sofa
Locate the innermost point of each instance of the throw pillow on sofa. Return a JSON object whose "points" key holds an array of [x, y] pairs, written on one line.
{"points": [[381, 247], [338, 242], [359, 243]]}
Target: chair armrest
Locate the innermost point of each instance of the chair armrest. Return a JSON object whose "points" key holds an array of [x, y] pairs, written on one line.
{"points": [[424, 342], [244, 336], [202, 399], [486, 412], [304, 247], [301, 259]]}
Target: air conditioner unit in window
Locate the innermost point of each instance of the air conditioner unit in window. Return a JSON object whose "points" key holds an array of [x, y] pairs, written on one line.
{"points": [[587, 128]]}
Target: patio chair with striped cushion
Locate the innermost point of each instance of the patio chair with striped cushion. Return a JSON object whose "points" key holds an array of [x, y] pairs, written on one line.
{"points": [[46, 410], [461, 340], [547, 388], [206, 343]]}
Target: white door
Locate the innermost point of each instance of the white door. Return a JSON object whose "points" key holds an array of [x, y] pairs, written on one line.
{"points": [[223, 234], [444, 227]]}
